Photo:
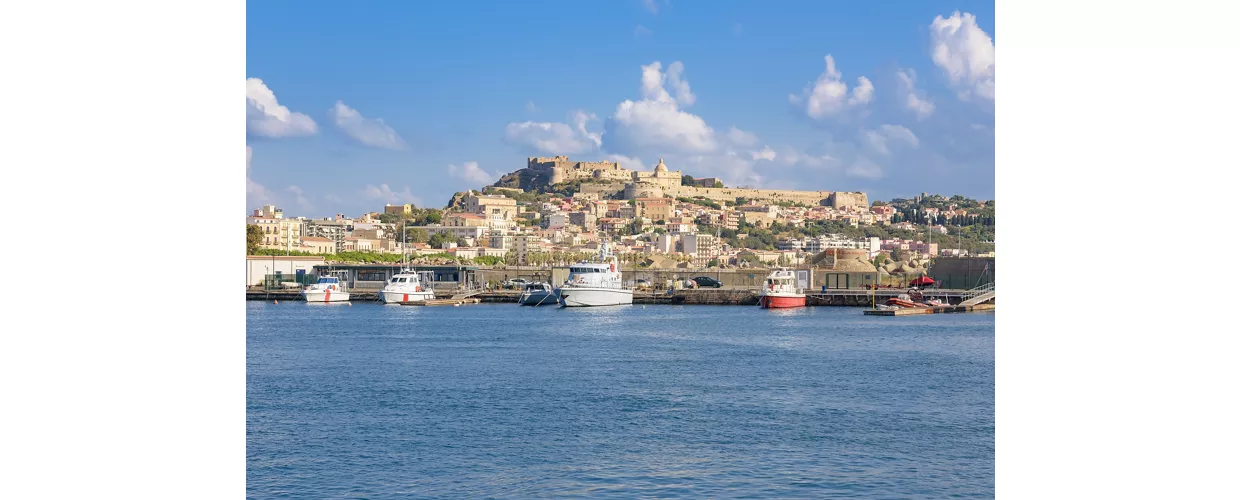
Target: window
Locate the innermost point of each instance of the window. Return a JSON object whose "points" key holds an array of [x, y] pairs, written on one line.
{"points": [[371, 276]]}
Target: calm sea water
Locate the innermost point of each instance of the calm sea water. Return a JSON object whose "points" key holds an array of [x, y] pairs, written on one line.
{"points": [[372, 401]]}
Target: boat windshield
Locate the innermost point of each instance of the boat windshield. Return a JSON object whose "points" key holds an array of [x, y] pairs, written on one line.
{"points": [[328, 280]]}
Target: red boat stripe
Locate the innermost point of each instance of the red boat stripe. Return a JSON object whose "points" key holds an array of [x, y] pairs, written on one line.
{"points": [[406, 298], [328, 298]]}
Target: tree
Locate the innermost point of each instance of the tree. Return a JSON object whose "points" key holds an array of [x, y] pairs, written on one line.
{"points": [[432, 216], [253, 238], [389, 218], [713, 263], [438, 239], [719, 184], [416, 235], [686, 180]]}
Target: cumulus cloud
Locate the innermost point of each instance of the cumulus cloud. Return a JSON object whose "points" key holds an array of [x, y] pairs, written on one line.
{"points": [[965, 53], [829, 94], [657, 124], [255, 194], [385, 194], [741, 138], [265, 117], [366, 131], [886, 135], [628, 162], [555, 138], [302, 203], [911, 97], [472, 173], [766, 153], [863, 168]]}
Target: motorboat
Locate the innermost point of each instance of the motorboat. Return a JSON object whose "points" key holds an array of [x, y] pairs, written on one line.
{"points": [[595, 282], [328, 289], [780, 291], [406, 286], [536, 294]]}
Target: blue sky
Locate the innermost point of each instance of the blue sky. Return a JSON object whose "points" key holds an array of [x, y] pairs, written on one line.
{"points": [[353, 105]]}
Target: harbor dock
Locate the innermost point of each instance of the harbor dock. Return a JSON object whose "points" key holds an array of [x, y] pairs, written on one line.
{"points": [[908, 311], [699, 296]]}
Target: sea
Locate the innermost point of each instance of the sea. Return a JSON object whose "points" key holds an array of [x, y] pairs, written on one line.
{"points": [[370, 401]]}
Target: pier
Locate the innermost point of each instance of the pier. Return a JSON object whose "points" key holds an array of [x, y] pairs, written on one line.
{"points": [[698, 296]]}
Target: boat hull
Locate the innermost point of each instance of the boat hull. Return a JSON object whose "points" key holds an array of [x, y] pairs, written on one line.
{"points": [[325, 296], [397, 296], [594, 297], [538, 298], [781, 301]]}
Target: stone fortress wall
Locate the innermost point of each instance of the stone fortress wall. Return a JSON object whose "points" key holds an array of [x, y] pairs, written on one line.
{"points": [[663, 182], [559, 169]]}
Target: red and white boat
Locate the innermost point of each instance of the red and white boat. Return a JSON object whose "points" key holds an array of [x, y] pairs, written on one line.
{"points": [[780, 291]]}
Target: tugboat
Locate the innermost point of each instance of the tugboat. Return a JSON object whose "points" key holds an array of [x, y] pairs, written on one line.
{"points": [[781, 291], [595, 282]]}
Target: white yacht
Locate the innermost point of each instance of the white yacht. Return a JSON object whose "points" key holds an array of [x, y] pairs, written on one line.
{"points": [[595, 282], [406, 286], [328, 289]]}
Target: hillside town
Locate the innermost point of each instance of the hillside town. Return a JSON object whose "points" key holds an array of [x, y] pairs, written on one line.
{"points": [[659, 219]]}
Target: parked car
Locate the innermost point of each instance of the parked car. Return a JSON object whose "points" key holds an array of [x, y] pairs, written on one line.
{"points": [[515, 283], [707, 282], [642, 285]]}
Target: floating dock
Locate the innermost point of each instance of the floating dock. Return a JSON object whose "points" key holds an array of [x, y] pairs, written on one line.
{"points": [[909, 311], [442, 302]]}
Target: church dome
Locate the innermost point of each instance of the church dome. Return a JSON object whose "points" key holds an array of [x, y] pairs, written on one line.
{"points": [[660, 168]]}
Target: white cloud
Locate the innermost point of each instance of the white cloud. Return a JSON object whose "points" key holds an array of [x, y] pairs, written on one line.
{"points": [[302, 203], [385, 194], [741, 138], [766, 153], [255, 194], [368, 132], [642, 31], [656, 124], [628, 162], [829, 94], [556, 138], [865, 169], [651, 6], [885, 135], [965, 53], [530, 107], [730, 167], [684, 96], [333, 198], [912, 98], [265, 117], [472, 173]]}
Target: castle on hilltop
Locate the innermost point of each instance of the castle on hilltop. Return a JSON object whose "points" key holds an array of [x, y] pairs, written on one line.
{"points": [[609, 178]]}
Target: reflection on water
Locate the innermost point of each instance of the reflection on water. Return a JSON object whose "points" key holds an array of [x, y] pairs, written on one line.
{"points": [[625, 401]]}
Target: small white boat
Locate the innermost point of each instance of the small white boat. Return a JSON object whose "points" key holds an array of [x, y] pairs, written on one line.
{"points": [[537, 294], [595, 282], [406, 286], [328, 289]]}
